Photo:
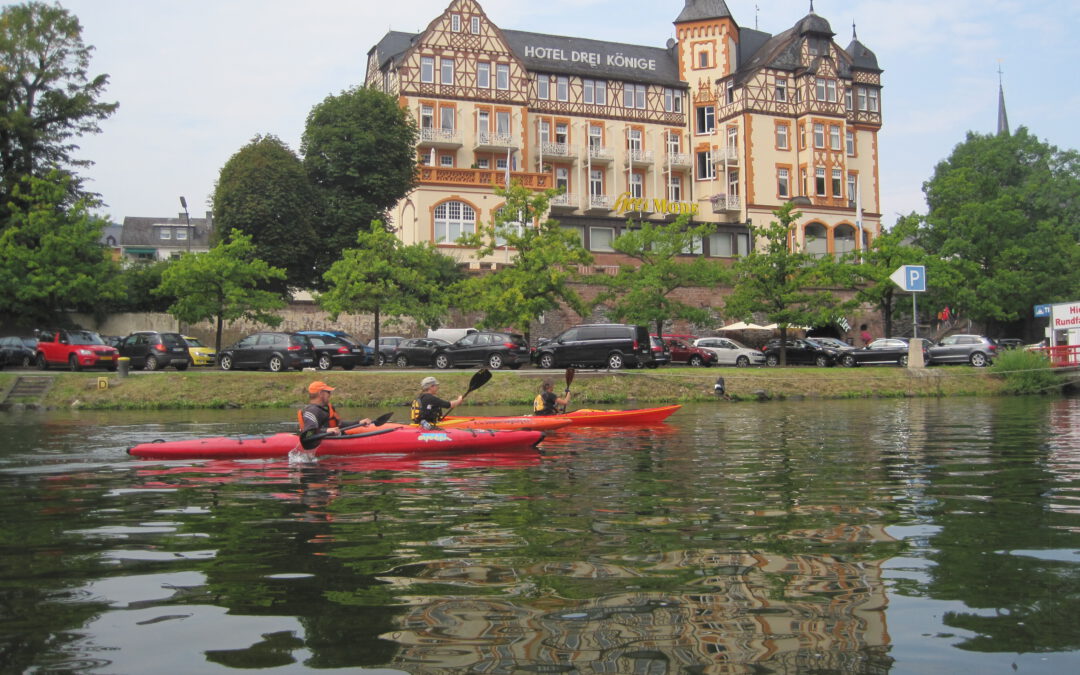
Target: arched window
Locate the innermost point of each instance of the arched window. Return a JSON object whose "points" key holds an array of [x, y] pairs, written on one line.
{"points": [[817, 239], [843, 240], [453, 219]]}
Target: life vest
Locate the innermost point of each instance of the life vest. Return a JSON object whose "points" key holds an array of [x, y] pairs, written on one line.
{"points": [[334, 421], [540, 406], [414, 411]]}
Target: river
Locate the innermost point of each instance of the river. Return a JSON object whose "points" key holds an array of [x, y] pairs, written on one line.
{"points": [[864, 536]]}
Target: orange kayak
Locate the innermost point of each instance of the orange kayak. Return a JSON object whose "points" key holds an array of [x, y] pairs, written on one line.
{"points": [[523, 422], [588, 417]]}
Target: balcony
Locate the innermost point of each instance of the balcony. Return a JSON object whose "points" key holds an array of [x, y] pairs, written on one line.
{"points": [[726, 155], [482, 178], [600, 155], [491, 141], [564, 202], [638, 157], [599, 204], [558, 151], [725, 203], [679, 160], [431, 137]]}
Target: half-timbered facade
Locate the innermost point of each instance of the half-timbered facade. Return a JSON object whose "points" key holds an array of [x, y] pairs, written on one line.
{"points": [[725, 123]]}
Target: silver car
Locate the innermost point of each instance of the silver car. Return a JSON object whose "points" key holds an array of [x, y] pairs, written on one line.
{"points": [[731, 353]]}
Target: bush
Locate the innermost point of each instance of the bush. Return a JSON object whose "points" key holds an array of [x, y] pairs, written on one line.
{"points": [[1025, 372]]}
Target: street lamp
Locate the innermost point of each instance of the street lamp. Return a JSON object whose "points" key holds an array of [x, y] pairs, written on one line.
{"points": [[187, 218]]}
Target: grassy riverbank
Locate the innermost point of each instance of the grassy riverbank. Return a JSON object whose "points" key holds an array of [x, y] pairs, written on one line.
{"points": [[208, 388]]}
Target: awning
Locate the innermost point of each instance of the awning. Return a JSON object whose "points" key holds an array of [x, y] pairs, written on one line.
{"points": [[136, 249], [739, 325]]}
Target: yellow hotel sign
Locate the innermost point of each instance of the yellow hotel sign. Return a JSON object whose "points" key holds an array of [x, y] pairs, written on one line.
{"points": [[626, 204]]}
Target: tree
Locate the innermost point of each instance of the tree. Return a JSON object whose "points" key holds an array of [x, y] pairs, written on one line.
{"points": [[139, 281], [642, 292], [46, 95], [543, 264], [783, 284], [1004, 219], [359, 151], [223, 285], [383, 276], [888, 252], [51, 258], [264, 192]]}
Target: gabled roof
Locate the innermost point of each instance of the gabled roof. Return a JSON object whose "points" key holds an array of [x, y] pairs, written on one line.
{"points": [[392, 46], [698, 10], [142, 231]]}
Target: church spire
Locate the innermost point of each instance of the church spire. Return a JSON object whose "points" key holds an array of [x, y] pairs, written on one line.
{"points": [[1003, 118]]}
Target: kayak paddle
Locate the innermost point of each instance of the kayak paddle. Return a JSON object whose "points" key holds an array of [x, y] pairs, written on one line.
{"points": [[569, 381], [479, 379], [312, 442]]}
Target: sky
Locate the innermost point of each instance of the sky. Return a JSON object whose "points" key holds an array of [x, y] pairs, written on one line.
{"points": [[197, 80]]}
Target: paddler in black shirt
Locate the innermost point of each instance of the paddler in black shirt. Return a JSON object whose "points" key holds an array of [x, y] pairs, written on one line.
{"points": [[428, 408], [318, 416]]}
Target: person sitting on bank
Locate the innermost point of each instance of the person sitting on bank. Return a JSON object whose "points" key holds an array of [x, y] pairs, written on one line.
{"points": [[427, 408], [546, 402], [318, 416]]}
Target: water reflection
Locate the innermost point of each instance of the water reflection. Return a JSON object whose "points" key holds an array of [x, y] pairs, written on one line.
{"points": [[862, 536]]}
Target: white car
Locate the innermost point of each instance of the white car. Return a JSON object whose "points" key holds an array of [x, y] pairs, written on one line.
{"points": [[731, 353]]}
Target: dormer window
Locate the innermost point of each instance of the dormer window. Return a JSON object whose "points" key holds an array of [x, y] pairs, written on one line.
{"points": [[455, 23]]}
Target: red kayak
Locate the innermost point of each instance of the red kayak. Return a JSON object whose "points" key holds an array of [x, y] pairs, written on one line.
{"points": [[391, 440], [587, 417]]}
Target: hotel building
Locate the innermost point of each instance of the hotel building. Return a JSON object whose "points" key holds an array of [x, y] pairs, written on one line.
{"points": [[725, 123]]}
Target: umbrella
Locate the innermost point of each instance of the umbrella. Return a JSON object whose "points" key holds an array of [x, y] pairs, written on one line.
{"points": [[739, 325]]}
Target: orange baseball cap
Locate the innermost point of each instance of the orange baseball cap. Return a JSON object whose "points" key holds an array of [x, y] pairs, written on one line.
{"points": [[316, 387]]}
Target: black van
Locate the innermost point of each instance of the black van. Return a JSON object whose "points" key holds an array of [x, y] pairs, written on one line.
{"points": [[611, 345]]}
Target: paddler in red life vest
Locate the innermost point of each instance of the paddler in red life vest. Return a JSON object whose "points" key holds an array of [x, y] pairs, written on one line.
{"points": [[318, 416], [427, 408], [546, 402]]}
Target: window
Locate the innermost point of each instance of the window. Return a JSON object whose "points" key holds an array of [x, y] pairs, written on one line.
{"points": [[819, 181], [483, 75], [483, 121], [562, 178], [837, 177], [674, 188], [843, 239], [781, 90], [695, 247], [834, 137], [596, 136], [819, 135], [849, 101], [633, 140], [825, 90], [510, 225], [594, 92], [730, 91], [733, 139], [500, 163], [502, 122], [427, 69], [637, 187], [483, 163], [706, 119], [733, 183], [672, 100], [849, 136], [783, 183], [446, 71], [781, 137], [502, 76], [817, 239], [851, 187], [446, 160], [705, 168], [181, 233], [600, 238], [562, 133], [446, 118], [728, 245], [545, 131], [452, 220], [455, 23], [427, 117], [474, 25], [634, 96], [703, 59], [872, 94], [164, 233], [674, 143], [543, 87], [562, 88], [596, 182]]}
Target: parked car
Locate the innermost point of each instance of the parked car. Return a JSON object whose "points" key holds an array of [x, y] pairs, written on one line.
{"points": [[387, 343], [486, 348], [611, 345], [882, 350], [683, 352], [731, 353], [1009, 343], [273, 351], [660, 356], [367, 357], [835, 343], [417, 352], [76, 349], [17, 351], [198, 353], [333, 351], [151, 350], [977, 350], [800, 351]]}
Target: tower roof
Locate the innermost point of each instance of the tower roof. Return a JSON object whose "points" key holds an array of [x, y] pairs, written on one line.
{"points": [[861, 57], [697, 10]]}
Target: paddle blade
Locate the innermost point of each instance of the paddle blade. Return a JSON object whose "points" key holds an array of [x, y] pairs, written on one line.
{"points": [[482, 377], [382, 419], [569, 378]]}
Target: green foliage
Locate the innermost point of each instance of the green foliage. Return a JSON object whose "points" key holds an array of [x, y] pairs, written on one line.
{"points": [[785, 286], [1025, 372], [222, 284], [359, 151], [139, 282], [51, 258], [46, 96], [264, 192], [383, 276], [870, 269], [641, 293], [542, 266], [1005, 221]]}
